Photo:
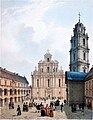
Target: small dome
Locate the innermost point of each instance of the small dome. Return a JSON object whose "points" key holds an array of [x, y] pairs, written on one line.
{"points": [[79, 25]]}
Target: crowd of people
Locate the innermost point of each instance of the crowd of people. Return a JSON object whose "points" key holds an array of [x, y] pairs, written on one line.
{"points": [[45, 110]]}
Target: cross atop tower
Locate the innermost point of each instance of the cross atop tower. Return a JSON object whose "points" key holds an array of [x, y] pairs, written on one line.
{"points": [[79, 16]]}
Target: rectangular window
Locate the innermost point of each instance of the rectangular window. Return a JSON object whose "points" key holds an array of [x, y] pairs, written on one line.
{"points": [[74, 56], [84, 56], [59, 82], [48, 83], [37, 82]]}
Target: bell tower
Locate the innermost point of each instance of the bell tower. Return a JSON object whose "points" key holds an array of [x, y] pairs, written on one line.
{"points": [[79, 52]]}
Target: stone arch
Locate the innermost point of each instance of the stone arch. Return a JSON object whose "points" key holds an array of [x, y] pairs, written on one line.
{"points": [[5, 91], [11, 99], [10, 91], [5, 100]]}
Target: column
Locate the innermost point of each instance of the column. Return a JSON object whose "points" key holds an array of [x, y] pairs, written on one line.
{"points": [[2, 102]]}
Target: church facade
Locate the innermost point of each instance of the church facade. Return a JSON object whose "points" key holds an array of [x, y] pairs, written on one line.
{"points": [[48, 81]]}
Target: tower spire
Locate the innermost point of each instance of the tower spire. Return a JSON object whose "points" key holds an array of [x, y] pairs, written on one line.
{"points": [[79, 16]]}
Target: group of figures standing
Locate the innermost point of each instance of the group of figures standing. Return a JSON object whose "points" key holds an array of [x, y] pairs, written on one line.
{"points": [[25, 108], [75, 106], [47, 111]]}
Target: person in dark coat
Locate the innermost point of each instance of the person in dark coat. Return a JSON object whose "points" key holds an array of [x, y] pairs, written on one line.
{"points": [[43, 112], [82, 106], [62, 107], [18, 110], [24, 107]]}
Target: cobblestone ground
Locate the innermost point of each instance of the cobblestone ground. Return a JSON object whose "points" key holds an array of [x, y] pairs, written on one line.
{"points": [[33, 114]]}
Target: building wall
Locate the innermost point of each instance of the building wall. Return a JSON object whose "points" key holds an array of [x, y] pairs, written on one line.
{"points": [[45, 80], [12, 90], [89, 91], [76, 92]]}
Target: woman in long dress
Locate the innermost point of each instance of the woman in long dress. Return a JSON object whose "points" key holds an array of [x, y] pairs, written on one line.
{"points": [[51, 113]]}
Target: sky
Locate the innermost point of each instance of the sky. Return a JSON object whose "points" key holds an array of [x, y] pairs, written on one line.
{"points": [[30, 27]]}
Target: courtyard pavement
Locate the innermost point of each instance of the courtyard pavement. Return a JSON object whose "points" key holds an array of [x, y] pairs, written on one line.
{"points": [[7, 113]]}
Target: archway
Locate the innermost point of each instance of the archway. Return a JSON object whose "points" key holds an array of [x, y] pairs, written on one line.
{"points": [[11, 99]]}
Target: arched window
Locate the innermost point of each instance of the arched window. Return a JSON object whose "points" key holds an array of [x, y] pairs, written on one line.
{"points": [[10, 91], [47, 59], [5, 99], [48, 69], [15, 91], [48, 83], [37, 82], [24, 91], [84, 56], [18, 91], [5, 91], [59, 82]]}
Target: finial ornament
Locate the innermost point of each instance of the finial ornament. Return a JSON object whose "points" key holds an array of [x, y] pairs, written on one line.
{"points": [[79, 16], [35, 68], [48, 51]]}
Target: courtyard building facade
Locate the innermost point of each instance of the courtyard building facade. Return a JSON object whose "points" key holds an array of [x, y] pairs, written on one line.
{"points": [[89, 89], [13, 87], [48, 81]]}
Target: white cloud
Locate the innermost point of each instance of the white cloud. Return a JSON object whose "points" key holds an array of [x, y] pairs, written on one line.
{"points": [[25, 31], [15, 23]]}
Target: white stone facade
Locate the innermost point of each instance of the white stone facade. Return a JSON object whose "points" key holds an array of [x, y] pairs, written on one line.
{"points": [[48, 81], [13, 87]]}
